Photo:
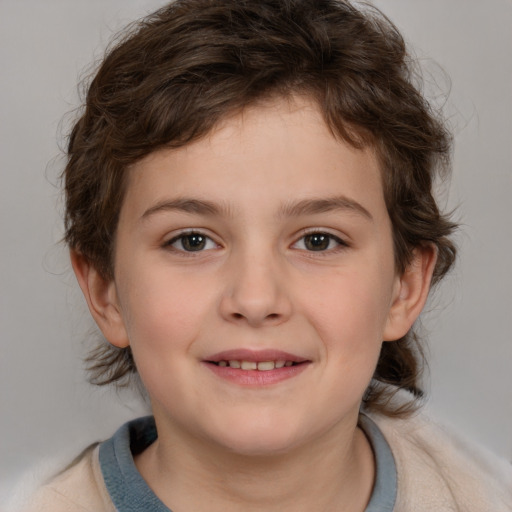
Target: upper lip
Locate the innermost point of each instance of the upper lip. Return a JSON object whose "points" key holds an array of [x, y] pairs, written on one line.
{"points": [[255, 355]]}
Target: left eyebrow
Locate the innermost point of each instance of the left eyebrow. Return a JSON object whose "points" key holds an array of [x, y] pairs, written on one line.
{"points": [[324, 205]]}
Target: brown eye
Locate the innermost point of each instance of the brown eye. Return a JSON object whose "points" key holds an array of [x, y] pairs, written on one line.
{"points": [[318, 242], [192, 242]]}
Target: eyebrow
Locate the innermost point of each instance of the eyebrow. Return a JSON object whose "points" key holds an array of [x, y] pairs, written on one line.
{"points": [[291, 209], [197, 206], [324, 205]]}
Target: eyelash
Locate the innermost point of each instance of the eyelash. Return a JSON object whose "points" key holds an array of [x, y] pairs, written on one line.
{"points": [[188, 234], [329, 237], [340, 243]]}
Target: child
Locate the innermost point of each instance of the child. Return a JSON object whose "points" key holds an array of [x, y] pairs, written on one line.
{"points": [[250, 216]]}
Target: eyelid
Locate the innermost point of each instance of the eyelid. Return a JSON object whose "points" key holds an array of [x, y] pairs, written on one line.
{"points": [[341, 240], [168, 243]]}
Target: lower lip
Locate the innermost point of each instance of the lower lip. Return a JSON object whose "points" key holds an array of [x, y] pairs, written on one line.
{"points": [[255, 378]]}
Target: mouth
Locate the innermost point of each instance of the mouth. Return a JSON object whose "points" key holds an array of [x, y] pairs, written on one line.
{"points": [[262, 367]]}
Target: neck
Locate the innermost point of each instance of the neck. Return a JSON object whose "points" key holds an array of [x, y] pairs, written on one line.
{"points": [[332, 472]]}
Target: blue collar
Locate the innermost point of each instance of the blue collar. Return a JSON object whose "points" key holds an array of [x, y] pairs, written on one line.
{"points": [[130, 492]]}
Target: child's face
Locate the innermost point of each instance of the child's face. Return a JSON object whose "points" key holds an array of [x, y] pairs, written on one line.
{"points": [[285, 254]]}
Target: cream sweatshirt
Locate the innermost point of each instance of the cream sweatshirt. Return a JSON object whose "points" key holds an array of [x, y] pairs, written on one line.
{"points": [[437, 472]]}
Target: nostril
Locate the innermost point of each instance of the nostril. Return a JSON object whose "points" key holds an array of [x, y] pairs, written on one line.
{"points": [[270, 317]]}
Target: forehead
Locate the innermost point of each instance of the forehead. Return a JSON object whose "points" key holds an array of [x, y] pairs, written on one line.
{"points": [[281, 149]]}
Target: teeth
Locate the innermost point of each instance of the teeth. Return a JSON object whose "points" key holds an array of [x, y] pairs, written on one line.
{"points": [[262, 366]]}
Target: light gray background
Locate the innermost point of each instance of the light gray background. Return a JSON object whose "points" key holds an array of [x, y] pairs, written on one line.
{"points": [[46, 409]]}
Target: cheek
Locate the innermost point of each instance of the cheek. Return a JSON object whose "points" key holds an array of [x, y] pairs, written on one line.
{"points": [[349, 314], [162, 322], [162, 313], [352, 306]]}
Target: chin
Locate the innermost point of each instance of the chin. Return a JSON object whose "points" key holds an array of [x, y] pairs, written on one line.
{"points": [[260, 446], [258, 438]]}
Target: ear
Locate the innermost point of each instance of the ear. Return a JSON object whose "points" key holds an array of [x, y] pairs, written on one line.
{"points": [[411, 292], [101, 297]]}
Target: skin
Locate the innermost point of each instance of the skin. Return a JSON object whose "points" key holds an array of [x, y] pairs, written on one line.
{"points": [[256, 284]]}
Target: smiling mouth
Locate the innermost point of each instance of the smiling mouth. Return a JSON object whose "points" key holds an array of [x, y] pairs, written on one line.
{"points": [[262, 366], [256, 368]]}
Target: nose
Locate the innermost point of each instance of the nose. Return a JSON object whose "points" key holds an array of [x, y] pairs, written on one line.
{"points": [[256, 291]]}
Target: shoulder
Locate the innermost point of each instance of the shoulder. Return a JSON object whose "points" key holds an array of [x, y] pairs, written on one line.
{"points": [[78, 488], [439, 470]]}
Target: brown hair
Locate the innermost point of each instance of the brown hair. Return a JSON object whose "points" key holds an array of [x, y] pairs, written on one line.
{"points": [[171, 78]]}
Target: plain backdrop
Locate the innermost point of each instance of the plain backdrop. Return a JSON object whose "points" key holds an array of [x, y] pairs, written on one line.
{"points": [[46, 407]]}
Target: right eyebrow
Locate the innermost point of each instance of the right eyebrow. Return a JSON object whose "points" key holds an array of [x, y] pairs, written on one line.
{"points": [[197, 206]]}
